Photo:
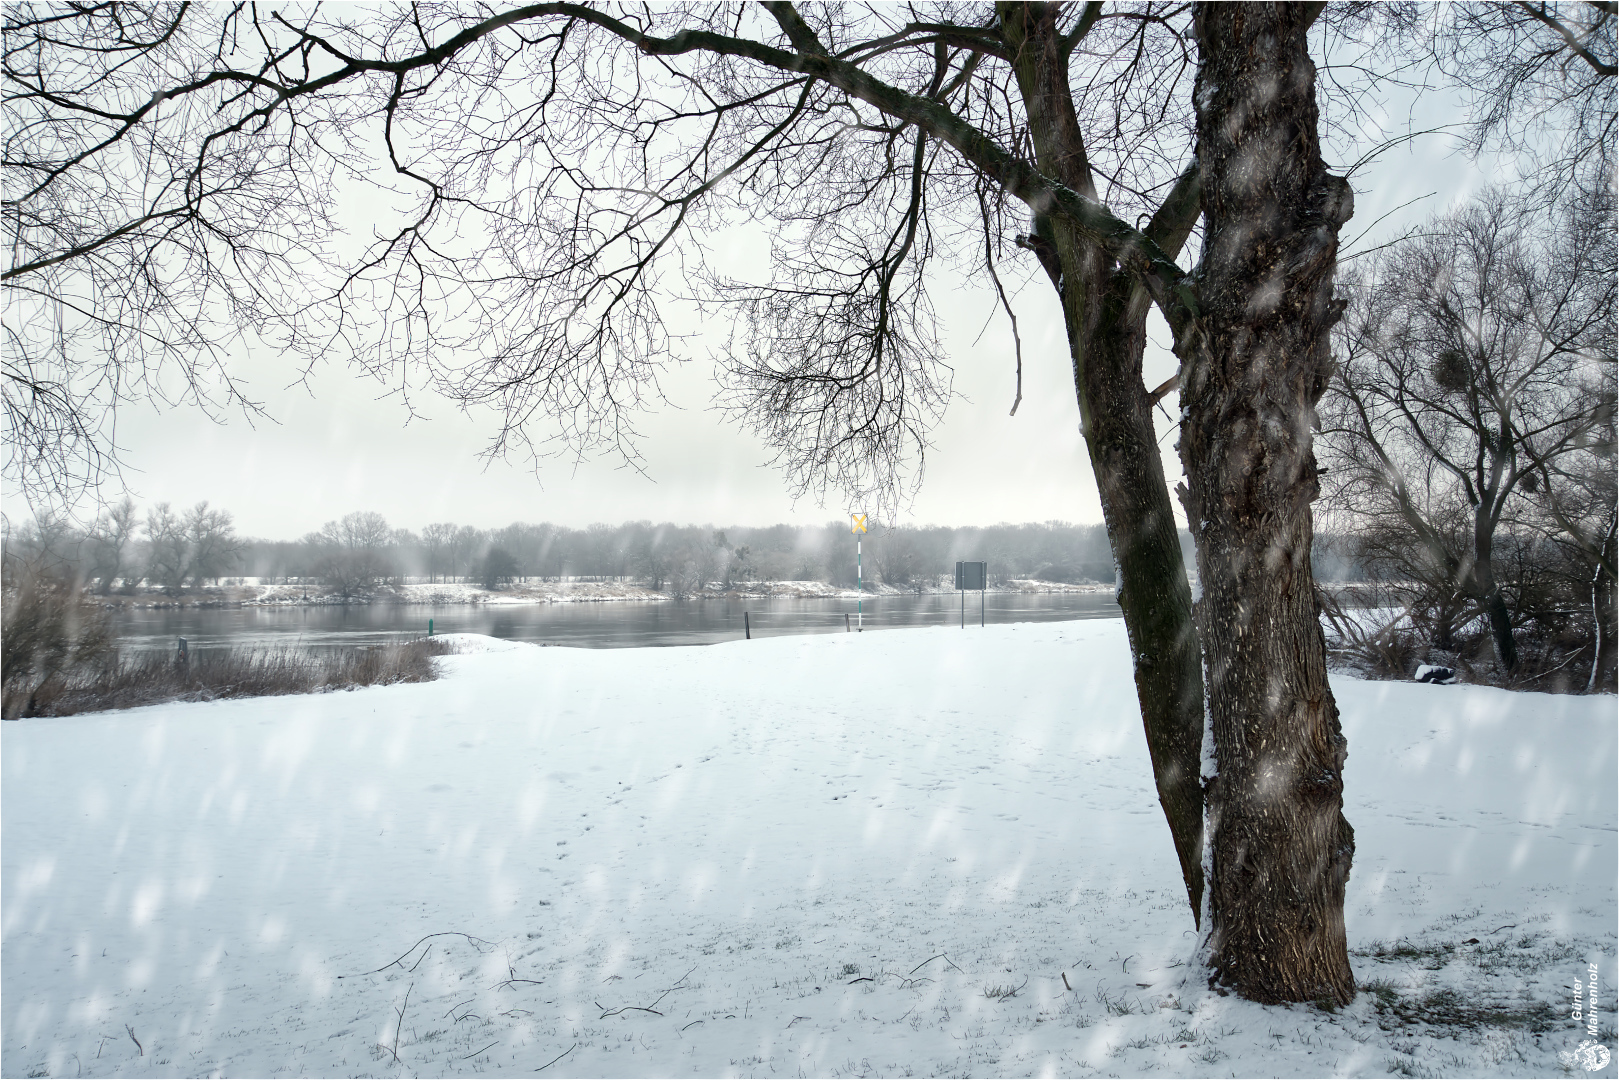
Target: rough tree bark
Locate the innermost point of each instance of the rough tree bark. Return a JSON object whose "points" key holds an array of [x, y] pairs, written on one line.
{"points": [[1252, 372], [1105, 312]]}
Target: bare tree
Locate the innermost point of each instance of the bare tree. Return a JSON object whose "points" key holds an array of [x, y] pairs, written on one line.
{"points": [[168, 554], [1476, 366], [211, 537], [110, 541], [355, 554], [468, 543], [1541, 76], [438, 540], [178, 168], [1578, 504]]}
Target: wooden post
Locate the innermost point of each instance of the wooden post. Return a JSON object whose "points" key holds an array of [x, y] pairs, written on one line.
{"points": [[747, 630]]}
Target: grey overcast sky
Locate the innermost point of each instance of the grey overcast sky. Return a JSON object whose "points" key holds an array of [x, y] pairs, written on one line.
{"points": [[343, 444]]}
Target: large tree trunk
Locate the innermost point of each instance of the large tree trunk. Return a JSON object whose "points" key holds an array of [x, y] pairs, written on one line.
{"points": [[1154, 596], [1254, 367], [1105, 312], [1488, 591]]}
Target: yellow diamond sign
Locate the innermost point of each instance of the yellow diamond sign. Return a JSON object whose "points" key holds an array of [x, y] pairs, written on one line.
{"points": [[859, 523]]}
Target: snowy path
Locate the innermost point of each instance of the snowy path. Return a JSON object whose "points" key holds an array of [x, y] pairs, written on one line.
{"points": [[826, 855]]}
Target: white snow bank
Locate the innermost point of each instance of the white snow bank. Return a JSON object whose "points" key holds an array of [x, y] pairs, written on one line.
{"points": [[831, 855], [461, 644]]}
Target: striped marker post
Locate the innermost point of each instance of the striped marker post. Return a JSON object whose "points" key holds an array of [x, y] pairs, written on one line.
{"points": [[859, 529]]}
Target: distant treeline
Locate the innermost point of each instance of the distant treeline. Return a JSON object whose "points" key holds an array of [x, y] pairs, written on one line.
{"points": [[174, 550]]}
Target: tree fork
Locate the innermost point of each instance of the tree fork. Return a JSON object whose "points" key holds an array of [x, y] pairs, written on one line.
{"points": [[1252, 373]]}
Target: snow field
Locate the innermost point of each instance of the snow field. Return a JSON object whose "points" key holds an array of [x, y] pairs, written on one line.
{"points": [[889, 853]]}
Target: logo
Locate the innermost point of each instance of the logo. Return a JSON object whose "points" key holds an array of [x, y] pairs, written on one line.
{"points": [[1589, 1055]]}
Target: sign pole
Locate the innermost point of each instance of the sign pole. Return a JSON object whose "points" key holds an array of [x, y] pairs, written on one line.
{"points": [[969, 574]]}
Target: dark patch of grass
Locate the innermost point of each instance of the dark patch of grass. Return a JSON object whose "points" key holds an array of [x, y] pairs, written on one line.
{"points": [[156, 677], [1432, 955], [1448, 1008]]}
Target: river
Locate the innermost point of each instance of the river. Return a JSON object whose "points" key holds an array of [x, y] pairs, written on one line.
{"points": [[606, 625]]}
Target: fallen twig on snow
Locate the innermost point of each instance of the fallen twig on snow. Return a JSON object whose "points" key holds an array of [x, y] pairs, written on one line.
{"points": [[136, 1041], [606, 1012], [475, 942], [475, 1053], [558, 1058], [512, 979], [930, 960]]}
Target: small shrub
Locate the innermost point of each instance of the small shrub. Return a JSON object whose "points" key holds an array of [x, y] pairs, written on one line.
{"points": [[53, 634]]}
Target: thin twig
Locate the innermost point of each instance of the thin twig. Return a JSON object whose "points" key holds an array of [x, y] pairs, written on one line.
{"points": [[137, 1042], [626, 1008], [401, 1011], [643, 1008], [475, 1053], [474, 941], [558, 1058], [930, 960], [512, 979]]}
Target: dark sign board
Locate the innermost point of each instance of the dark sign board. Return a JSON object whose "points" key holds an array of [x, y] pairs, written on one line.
{"points": [[972, 575]]}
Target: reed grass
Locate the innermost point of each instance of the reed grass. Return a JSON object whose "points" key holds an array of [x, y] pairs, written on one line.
{"points": [[150, 678]]}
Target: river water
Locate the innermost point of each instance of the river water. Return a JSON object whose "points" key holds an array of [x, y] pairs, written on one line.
{"points": [[604, 625]]}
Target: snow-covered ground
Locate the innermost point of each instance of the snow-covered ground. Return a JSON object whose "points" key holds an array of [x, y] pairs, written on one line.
{"points": [[927, 852]]}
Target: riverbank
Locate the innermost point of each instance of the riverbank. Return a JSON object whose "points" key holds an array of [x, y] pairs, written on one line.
{"points": [[920, 852], [159, 676], [544, 592]]}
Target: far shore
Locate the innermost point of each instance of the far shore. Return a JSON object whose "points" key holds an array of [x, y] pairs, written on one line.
{"points": [[249, 593]]}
